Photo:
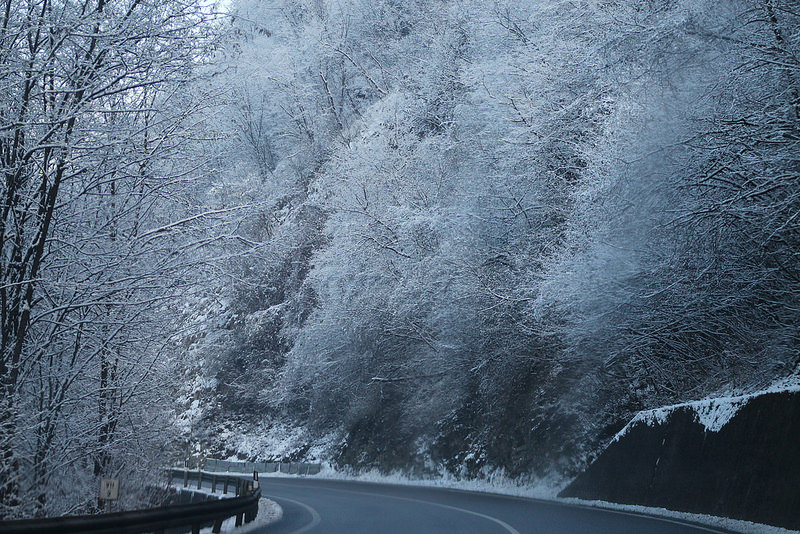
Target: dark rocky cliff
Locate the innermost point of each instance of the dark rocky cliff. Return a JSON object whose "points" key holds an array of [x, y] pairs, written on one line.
{"points": [[749, 468]]}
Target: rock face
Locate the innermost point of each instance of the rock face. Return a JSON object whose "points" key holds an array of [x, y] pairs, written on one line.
{"points": [[737, 457]]}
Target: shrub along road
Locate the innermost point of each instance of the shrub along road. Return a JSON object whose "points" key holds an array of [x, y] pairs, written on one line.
{"points": [[326, 506]]}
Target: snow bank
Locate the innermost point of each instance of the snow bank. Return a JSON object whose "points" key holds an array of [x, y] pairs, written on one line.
{"points": [[544, 489], [736, 525], [495, 481], [268, 512]]}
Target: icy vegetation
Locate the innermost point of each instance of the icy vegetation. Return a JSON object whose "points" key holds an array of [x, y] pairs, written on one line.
{"points": [[482, 236], [448, 238]]}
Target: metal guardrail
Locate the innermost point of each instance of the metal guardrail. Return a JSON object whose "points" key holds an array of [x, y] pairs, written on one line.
{"points": [[244, 507], [292, 468], [227, 476], [237, 484]]}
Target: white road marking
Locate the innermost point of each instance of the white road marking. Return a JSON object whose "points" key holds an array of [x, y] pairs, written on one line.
{"points": [[503, 524], [508, 528], [596, 508], [315, 517], [658, 518]]}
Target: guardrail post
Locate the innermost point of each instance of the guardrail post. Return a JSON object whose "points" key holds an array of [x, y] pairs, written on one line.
{"points": [[251, 514], [217, 526], [239, 519], [199, 478], [195, 528], [213, 483], [225, 491]]}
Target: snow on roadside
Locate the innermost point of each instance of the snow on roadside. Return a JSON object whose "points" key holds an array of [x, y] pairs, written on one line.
{"points": [[495, 482], [736, 525], [544, 490], [268, 512]]}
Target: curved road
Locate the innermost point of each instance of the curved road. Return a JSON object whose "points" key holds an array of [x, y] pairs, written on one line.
{"points": [[343, 507]]}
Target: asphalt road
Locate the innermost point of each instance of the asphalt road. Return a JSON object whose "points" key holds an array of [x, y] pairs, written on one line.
{"points": [[340, 507]]}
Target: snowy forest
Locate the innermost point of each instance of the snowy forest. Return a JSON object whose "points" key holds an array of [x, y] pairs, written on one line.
{"points": [[423, 236]]}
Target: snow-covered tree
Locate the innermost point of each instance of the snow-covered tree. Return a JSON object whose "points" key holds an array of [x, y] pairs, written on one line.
{"points": [[94, 188]]}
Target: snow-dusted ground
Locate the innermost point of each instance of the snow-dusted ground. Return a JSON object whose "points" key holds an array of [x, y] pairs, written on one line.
{"points": [[280, 441], [745, 527], [268, 512]]}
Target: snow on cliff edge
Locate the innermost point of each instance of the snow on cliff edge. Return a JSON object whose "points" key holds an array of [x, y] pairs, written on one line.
{"points": [[712, 413]]}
